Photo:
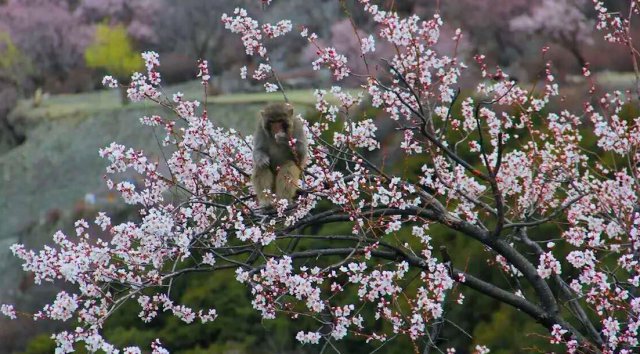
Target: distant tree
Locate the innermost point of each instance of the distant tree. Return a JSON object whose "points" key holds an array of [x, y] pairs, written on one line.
{"points": [[138, 17], [487, 23], [54, 34], [15, 69], [203, 34], [349, 41], [14, 65], [561, 21], [47, 32], [113, 52], [191, 28]]}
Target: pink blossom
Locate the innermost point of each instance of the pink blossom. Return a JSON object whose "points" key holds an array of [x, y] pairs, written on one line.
{"points": [[337, 63], [277, 30], [557, 333], [270, 87], [368, 45], [308, 337], [8, 311], [249, 29], [548, 265], [203, 71], [109, 81]]}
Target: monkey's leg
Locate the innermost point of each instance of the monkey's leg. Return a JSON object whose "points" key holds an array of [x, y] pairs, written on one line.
{"points": [[262, 180], [287, 180]]}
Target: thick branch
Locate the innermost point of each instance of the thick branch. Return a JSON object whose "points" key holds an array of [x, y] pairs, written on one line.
{"points": [[566, 291], [500, 246]]}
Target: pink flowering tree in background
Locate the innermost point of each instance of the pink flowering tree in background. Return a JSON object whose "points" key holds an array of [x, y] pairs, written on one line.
{"points": [[53, 34], [499, 163], [487, 24], [563, 22], [350, 44], [47, 32], [138, 16]]}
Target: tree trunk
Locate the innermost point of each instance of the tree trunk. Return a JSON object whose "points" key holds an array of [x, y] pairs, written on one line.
{"points": [[123, 95]]}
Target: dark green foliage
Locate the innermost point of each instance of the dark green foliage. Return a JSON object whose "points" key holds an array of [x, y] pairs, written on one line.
{"points": [[239, 327], [41, 344]]}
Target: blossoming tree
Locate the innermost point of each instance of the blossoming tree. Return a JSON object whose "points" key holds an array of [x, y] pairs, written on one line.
{"points": [[497, 169], [563, 22]]}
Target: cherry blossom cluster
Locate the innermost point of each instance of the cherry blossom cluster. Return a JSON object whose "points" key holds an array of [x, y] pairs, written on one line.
{"points": [[548, 265], [279, 29], [308, 337], [615, 26], [249, 28], [110, 81], [9, 311], [141, 88], [336, 62], [361, 134], [368, 45], [203, 71], [277, 278], [252, 39], [152, 63]]}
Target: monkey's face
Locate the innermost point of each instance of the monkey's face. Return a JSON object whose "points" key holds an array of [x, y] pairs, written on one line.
{"points": [[279, 130], [277, 121]]}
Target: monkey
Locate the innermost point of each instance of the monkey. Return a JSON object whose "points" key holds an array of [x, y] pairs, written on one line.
{"points": [[278, 164]]}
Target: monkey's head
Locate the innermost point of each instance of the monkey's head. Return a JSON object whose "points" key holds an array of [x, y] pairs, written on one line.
{"points": [[277, 121]]}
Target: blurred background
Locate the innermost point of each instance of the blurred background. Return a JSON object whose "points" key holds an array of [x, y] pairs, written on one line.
{"points": [[55, 115]]}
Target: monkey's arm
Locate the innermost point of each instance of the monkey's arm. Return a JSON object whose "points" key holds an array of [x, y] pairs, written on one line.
{"points": [[301, 142], [260, 150]]}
